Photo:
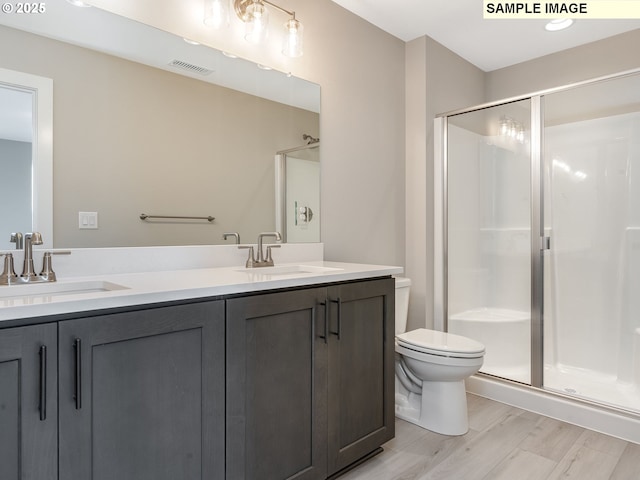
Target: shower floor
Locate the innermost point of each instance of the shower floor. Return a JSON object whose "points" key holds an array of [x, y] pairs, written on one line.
{"points": [[592, 386]]}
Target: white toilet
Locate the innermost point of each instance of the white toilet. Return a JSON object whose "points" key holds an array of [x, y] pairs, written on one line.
{"points": [[430, 370]]}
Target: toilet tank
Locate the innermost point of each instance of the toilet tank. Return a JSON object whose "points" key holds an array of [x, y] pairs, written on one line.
{"points": [[402, 303]]}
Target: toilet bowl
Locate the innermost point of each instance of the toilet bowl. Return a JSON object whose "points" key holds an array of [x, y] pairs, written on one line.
{"points": [[431, 367]]}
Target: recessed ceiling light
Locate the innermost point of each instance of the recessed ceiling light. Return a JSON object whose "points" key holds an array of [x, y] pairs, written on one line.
{"points": [[78, 3], [229, 54], [558, 24], [190, 42], [264, 67]]}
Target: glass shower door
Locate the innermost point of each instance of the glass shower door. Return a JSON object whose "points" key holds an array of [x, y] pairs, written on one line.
{"points": [[488, 234], [592, 213]]}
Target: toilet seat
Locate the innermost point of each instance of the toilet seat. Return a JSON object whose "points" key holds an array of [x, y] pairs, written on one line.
{"points": [[440, 344]]}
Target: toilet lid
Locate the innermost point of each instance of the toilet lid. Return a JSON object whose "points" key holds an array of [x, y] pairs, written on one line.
{"points": [[440, 343]]}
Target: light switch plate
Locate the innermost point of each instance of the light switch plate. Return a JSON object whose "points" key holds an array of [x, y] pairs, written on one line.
{"points": [[87, 220]]}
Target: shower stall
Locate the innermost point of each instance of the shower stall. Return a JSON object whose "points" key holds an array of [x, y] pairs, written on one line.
{"points": [[540, 238]]}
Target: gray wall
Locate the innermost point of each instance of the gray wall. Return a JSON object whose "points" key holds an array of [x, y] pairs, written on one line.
{"points": [[605, 57], [437, 81]]}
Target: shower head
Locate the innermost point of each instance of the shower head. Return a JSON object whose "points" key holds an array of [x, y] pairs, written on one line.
{"points": [[310, 139]]}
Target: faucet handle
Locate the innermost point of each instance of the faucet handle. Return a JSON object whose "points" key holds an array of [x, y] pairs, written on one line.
{"points": [[251, 261], [47, 272], [8, 275], [269, 259], [17, 238], [34, 237]]}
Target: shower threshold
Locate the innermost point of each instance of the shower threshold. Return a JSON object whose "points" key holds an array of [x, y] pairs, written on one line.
{"points": [[592, 386]]}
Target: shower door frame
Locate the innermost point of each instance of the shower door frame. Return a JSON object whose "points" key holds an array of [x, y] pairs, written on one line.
{"points": [[539, 243]]}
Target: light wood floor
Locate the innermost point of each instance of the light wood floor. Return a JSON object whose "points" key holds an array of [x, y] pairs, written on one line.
{"points": [[503, 442]]}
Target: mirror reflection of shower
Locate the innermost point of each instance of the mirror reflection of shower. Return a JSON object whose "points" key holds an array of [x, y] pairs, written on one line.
{"points": [[298, 191]]}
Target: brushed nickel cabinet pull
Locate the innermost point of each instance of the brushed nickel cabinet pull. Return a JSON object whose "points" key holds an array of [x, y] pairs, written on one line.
{"points": [[77, 348], [43, 383], [339, 302]]}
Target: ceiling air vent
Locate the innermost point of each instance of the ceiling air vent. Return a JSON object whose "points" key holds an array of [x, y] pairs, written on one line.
{"points": [[190, 67]]}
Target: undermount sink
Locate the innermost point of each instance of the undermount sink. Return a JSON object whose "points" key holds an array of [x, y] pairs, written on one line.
{"points": [[40, 290], [290, 270]]}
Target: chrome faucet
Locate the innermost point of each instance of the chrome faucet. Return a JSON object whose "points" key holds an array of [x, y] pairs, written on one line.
{"points": [[8, 275], [30, 239], [232, 234], [262, 260]]}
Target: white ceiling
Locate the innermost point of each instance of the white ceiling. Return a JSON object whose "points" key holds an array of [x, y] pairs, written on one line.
{"points": [[488, 44]]}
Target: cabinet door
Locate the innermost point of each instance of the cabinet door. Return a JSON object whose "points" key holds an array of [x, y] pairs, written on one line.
{"points": [[142, 395], [361, 375], [28, 403], [276, 386]]}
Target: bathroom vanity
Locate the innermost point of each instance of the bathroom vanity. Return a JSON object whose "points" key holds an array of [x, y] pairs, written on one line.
{"points": [[199, 374]]}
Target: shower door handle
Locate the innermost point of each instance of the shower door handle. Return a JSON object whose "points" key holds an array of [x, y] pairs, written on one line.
{"points": [[545, 243]]}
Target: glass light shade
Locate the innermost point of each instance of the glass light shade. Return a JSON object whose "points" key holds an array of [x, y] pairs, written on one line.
{"points": [[216, 13], [256, 23], [292, 42]]}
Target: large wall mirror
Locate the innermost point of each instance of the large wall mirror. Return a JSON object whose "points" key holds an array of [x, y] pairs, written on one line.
{"points": [[146, 123]]}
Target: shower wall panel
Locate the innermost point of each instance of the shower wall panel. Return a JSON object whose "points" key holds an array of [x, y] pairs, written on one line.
{"points": [[489, 237], [592, 306]]}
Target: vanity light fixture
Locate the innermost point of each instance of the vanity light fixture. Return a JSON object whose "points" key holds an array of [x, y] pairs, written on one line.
{"points": [[255, 15], [256, 20], [558, 24], [292, 43]]}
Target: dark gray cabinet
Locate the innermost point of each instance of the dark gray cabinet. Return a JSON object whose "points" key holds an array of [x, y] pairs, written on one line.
{"points": [[309, 380], [141, 395], [295, 384], [28, 403], [361, 370], [276, 386]]}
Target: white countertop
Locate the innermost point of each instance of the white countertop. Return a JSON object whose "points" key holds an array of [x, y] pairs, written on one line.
{"points": [[23, 301]]}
